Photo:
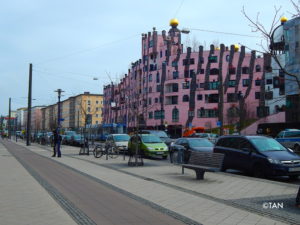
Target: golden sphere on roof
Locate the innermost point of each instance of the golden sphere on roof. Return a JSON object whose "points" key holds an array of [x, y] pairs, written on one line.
{"points": [[236, 47], [174, 22], [283, 19]]}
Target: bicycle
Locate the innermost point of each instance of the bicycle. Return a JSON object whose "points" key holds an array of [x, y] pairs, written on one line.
{"points": [[98, 151]]}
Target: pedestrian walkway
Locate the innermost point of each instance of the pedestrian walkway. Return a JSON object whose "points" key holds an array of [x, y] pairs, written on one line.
{"points": [[219, 199], [22, 199]]}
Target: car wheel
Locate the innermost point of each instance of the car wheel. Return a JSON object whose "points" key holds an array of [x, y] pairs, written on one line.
{"points": [[258, 171], [293, 177], [174, 156], [223, 169]]}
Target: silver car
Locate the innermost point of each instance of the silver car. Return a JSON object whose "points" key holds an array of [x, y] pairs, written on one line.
{"points": [[290, 138], [117, 140]]}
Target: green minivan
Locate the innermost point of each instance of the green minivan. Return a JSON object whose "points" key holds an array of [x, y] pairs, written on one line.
{"points": [[150, 145]]}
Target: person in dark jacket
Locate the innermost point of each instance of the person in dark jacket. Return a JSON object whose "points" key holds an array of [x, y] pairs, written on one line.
{"points": [[56, 139]]}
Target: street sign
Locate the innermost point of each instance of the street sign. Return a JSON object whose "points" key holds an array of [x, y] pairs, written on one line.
{"points": [[61, 119], [219, 123]]}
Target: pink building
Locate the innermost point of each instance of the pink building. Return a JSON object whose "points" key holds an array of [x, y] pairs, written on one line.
{"points": [[173, 89]]}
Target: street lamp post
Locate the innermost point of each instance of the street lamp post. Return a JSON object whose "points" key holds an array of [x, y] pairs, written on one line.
{"points": [[28, 128], [59, 91]]}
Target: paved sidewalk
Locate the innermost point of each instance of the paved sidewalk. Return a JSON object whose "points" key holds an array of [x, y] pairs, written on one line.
{"points": [[23, 200], [219, 199]]}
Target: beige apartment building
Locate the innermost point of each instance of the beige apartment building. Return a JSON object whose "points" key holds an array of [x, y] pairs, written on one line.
{"points": [[76, 111]]}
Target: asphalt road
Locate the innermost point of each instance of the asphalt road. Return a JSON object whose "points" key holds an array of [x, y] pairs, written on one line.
{"points": [[100, 204]]}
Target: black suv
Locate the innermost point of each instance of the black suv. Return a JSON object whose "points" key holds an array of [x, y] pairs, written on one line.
{"points": [[258, 155]]}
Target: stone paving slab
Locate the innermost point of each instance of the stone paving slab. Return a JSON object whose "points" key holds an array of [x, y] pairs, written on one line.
{"points": [[197, 208], [23, 200]]}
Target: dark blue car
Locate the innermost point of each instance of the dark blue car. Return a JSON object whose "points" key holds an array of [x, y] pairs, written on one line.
{"points": [[258, 155]]}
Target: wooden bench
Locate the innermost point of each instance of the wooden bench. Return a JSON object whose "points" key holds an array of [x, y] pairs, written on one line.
{"points": [[203, 162]]}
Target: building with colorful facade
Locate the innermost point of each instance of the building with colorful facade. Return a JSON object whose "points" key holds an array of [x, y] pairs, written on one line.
{"points": [[173, 88]]}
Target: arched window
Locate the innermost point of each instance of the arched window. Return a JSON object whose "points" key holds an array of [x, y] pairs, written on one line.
{"points": [[175, 115], [185, 98], [258, 68]]}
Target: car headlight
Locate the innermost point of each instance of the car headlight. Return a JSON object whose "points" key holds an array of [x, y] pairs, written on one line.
{"points": [[273, 161], [150, 148]]}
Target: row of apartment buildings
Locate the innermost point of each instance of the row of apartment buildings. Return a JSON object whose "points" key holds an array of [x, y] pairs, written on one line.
{"points": [[172, 88], [76, 112]]}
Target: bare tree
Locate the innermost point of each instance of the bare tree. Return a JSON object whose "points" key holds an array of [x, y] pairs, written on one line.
{"points": [[267, 34]]}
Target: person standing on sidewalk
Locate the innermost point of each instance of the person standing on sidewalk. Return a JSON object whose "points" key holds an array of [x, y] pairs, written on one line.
{"points": [[56, 138]]}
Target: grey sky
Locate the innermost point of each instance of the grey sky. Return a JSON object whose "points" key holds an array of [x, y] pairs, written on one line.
{"points": [[70, 42]]}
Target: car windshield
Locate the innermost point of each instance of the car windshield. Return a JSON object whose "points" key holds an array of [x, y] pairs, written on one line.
{"points": [[77, 136], [292, 134], [151, 139], [156, 133], [200, 143], [119, 138], [201, 135], [267, 144]]}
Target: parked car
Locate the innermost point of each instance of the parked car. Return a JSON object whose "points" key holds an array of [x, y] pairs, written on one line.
{"points": [[161, 134], [186, 145], [149, 145], [68, 137], [290, 138], [117, 140], [210, 136], [77, 140], [258, 155]]}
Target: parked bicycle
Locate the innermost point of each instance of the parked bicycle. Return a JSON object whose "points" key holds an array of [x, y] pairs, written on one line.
{"points": [[100, 150]]}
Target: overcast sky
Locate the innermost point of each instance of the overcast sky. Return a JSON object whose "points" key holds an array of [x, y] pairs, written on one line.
{"points": [[71, 42]]}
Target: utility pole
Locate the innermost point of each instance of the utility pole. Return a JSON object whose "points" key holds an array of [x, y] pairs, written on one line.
{"points": [[59, 91], [28, 132], [9, 118]]}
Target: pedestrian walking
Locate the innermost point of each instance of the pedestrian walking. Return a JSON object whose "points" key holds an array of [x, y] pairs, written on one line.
{"points": [[298, 198]]}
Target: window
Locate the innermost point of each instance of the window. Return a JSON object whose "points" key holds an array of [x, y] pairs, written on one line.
{"points": [[185, 98], [213, 98], [150, 78], [213, 85], [175, 87], [150, 43], [89, 102], [276, 83], [186, 74], [158, 88], [269, 95], [232, 83], [97, 122], [202, 71], [156, 100], [174, 63], [186, 85], [245, 70], [231, 97], [150, 89], [150, 101], [213, 59], [89, 109], [175, 75], [175, 115], [190, 62], [232, 70], [150, 115], [201, 85], [97, 115], [159, 114], [174, 100], [269, 81], [207, 113], [157, 78], [258, 68], [97, 102], [227, 58], [160, 53], [97, 108], [199, 97], [214, 71], [246, 82], [257, 82], [257, 95]]}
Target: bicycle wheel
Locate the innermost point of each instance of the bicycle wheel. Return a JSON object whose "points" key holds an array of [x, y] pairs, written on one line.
{"points": [[113, 152], [98, 151]]}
